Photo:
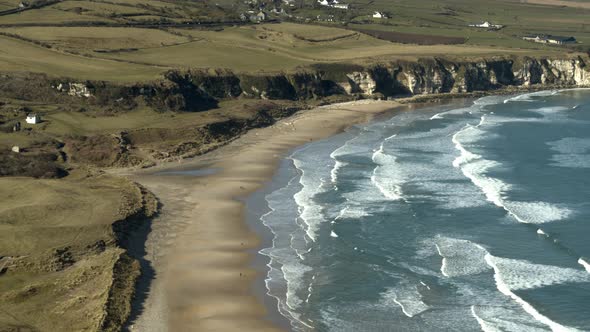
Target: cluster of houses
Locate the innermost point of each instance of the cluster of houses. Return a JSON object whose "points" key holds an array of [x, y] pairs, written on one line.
{"points": [[32, 118], [537, 38], [549, 39], [255, 17], [334, 4], [261, 16]]}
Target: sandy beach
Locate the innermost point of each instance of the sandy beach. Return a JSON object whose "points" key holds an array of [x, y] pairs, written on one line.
{"points": [[200, 247]]}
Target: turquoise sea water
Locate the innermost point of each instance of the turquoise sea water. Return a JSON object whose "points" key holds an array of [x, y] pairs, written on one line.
{"points": [[442, 219]]}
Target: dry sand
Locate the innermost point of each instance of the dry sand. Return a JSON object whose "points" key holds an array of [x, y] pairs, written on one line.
{"points": [[199, 246]]}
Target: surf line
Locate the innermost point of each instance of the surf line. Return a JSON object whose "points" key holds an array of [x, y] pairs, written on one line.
{"points": [[504, 289], [395, 193]]}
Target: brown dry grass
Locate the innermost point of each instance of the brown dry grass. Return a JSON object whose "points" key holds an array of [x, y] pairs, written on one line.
{"points": [[59, 248]]}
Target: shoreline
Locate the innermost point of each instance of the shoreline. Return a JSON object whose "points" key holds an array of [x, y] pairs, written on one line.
{"points": [[201, 247], [174, 183], [256, 205]]}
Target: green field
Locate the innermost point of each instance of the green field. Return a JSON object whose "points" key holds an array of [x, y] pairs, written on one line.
{"points": [[450, 18], [109, 51], [80, 52], [22, 56]]}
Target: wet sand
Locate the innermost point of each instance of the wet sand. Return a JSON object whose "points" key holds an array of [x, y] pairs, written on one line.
{"points": [[200, 247]]}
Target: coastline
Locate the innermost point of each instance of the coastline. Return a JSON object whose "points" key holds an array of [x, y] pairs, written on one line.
{"points": [[201, 248], [175, 184]]}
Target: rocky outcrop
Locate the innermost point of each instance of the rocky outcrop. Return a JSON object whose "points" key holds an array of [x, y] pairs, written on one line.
{"points": [[75, 89], [396, 78], [199, 90]]}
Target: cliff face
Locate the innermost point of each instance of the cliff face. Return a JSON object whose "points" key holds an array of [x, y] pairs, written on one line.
{"points": [[198, 90], [436, 76], [399, 78]]}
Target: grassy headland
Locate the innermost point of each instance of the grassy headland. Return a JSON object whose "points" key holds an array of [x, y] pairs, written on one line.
{"points": [[61, 255]]}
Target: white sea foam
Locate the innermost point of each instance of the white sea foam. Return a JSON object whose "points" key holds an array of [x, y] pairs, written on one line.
{"points": [[334, 172], [456, 111], [572, 152], [420, 163], [488, 100], [294, 274], [407, 297], [477, 107], [536, 212], [499, 319], [571, 160], [572, 89], [384, 177], [460, 257], [475, 167], [338, 164], [551, 109], [585, 264], [286, 275], [309, 211], [351, 211], [463, 257], [527, 97], [506, 280], [437, 116], [521, 275]]}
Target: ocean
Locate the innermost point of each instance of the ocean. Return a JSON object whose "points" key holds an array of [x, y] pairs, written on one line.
{"points": [[462, 217]]}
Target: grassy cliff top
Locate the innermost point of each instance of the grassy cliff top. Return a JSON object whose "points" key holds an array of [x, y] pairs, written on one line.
{"points": [[128, 40], [59, 253]]}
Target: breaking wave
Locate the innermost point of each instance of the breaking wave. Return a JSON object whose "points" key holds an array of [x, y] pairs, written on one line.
{"points": [[462, 257], [476, 167], [378, 228], [407, 297], [384, 175]]}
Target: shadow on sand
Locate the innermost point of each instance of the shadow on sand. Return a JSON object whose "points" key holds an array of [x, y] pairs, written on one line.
{"points": [[136, 248]]}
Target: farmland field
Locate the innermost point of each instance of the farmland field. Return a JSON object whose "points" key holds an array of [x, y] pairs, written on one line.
{"points": [[78, 51], [105, 44]]}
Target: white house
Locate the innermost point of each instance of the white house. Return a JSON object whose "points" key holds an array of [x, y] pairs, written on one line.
{"points": [[33, 118], [549, 39], [333, 4], [379, 15], [486, 25], [257, 18]]}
